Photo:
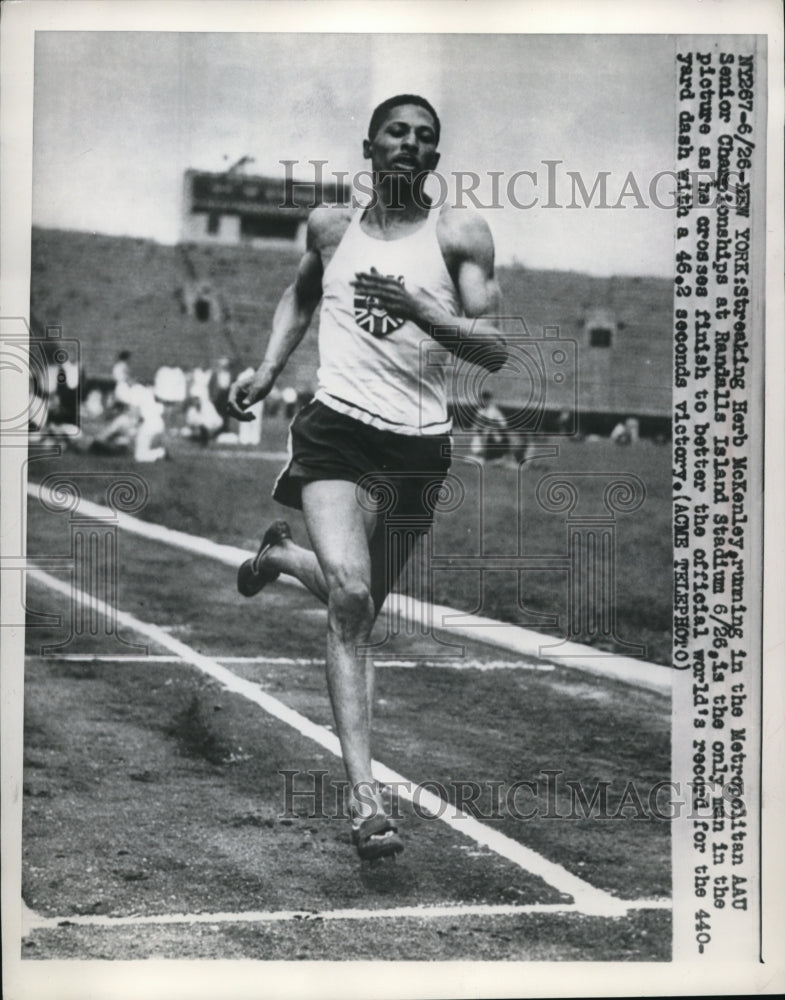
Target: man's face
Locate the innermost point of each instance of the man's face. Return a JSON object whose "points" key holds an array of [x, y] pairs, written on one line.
{"points": [[405, 142]]}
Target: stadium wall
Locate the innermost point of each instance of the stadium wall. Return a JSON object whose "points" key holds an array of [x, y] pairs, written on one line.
{"points": [[116, 293]]}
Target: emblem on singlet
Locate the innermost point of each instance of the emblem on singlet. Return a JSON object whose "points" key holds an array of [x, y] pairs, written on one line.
{"points": [[373, 318]]}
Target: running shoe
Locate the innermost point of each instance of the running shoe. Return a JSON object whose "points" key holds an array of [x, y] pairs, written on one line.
{"points": [[376, 838], [253, 576]]}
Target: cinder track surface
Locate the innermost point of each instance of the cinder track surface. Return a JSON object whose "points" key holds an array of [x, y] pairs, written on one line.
{"points": [[155, 816]]}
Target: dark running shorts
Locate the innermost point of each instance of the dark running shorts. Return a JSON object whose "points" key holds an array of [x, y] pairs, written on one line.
{"points": [[402, 475]]}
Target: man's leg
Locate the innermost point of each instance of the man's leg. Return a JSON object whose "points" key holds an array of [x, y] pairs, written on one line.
{"points": [[293, 560], [339, 531], [352, 570]]}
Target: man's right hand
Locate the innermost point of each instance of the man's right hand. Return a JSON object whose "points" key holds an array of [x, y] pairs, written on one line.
{"points": [[249, 388]]}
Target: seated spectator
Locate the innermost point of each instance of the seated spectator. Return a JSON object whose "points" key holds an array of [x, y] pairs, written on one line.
{"points": [[490, 438], [289, 400], [136, 428], [171, 389], [93, 405], [620, 433], [118, 435], [202, 420], [54, 405], [37, 410], [199, 383], [148, 444], [123, 379], [220, 383], [68, 381], [272, 402]]}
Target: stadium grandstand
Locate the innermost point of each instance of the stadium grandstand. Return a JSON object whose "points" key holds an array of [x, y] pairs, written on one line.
{"points": [[214, 295]]}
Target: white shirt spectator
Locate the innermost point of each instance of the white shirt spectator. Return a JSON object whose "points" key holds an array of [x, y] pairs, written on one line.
{"points": [[121, 372], [151, 425], [198, 383], [71, 372], [171, 385]]}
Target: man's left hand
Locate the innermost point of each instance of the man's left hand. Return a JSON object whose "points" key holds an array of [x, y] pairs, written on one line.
{"points": [[389, 294]]}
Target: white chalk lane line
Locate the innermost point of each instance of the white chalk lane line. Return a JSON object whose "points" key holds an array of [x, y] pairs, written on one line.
{"points": [[588, 899], [511, 638], [34, 921], [299, 661]]}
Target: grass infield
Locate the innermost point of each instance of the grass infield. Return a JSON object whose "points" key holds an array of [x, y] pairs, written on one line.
{"points": [[224, 494]]}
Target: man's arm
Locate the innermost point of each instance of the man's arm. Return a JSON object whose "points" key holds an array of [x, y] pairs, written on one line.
{"points": [[290, 321], [468, 247]]}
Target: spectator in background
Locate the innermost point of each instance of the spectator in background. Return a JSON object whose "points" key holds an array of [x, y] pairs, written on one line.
{"points": [[304, 396], [68, 382], [93, 405], [220, 383], [117, 436], [171, 389], [199, 383], [50, 389], [289, 400], [121, 372], [620, 433], [38, 408], [123, 379], [136, 427], [148, 440], [202, 420], [490, 439], [54, 405], [564, 421], [272, 403]]}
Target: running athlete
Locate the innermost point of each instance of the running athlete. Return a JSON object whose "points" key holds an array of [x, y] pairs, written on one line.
{"points": [[393, 278]]}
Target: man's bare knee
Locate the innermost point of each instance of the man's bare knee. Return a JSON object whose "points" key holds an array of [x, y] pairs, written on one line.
{"points": [[350, 605]]}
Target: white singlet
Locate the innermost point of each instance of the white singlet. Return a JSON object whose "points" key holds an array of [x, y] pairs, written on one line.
{"points": [[375, 367]]}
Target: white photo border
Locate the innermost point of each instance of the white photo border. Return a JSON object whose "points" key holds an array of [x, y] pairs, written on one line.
{"points": [[77, 979]]}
